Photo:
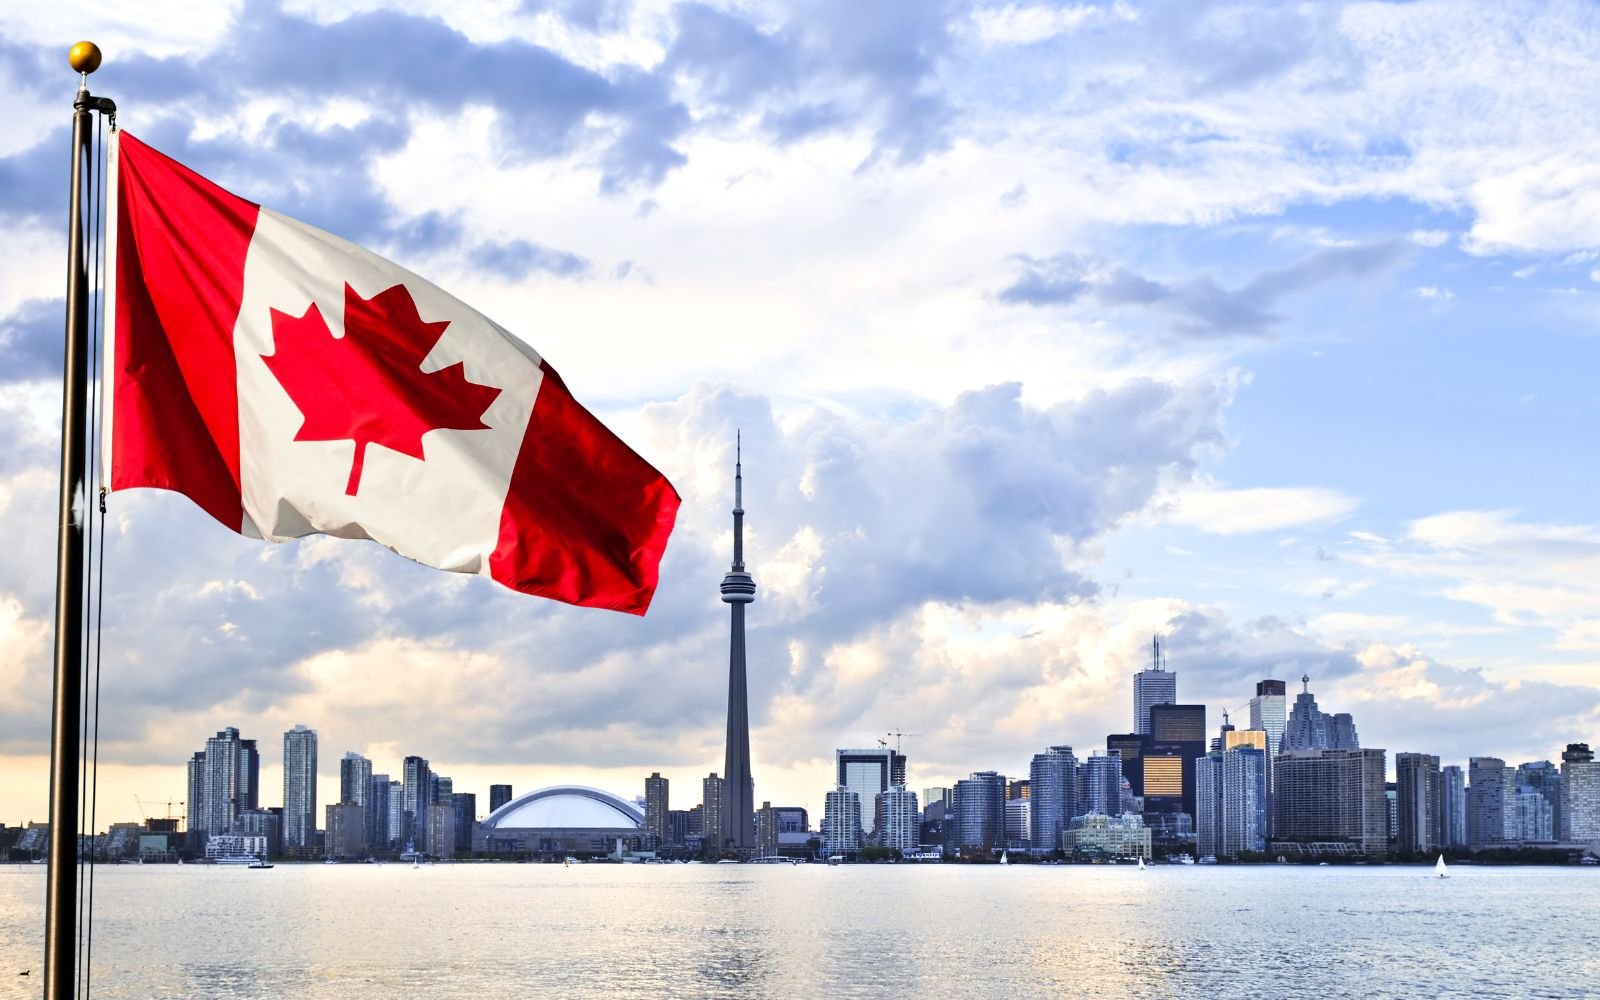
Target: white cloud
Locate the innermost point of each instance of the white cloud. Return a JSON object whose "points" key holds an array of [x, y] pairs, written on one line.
{"points": [[1022, 24], [1240, 511], [1429, 237], [1435, 293]]}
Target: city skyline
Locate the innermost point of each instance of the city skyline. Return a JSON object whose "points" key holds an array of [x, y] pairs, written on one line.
{"points": [[1280, 351]]}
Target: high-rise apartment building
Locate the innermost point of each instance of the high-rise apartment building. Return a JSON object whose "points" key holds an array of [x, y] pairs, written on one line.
{"points": [[713, 800], [900, 819], [355, 786], [1580, 794], [1488, 783], [1019, 822], [499, 795], [1231, 801], [466, 809], [1155, 686], [841, 821], [1053, 795], [1534, 816], [1100, 785], [224, 781], [1452, 806], [398, 824], [1332, 795], [418, 787], [656, 808], [766, 828], [1416, 803], [1544, 778], [981, 812], [300, 790], [377, 812], [869, 773], [342, 834]]}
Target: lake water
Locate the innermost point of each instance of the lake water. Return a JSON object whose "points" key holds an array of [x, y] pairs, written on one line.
{"points": [[611, 931]]}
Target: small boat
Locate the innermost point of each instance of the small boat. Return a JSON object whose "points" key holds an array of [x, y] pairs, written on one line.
{"points": [[727, 861], [569, 861], [260, 863], [1439, 868], [1004, 859], [836, 859], [1141, 862]]}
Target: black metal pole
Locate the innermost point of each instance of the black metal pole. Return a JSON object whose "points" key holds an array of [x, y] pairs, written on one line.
{"points": [[66, 727]]}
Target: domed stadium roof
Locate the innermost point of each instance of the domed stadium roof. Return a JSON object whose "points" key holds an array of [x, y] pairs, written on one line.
{"points": [[566, 807]]}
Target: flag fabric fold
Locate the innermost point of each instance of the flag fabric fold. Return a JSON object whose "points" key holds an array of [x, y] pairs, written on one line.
{"points": [[292, 383]]}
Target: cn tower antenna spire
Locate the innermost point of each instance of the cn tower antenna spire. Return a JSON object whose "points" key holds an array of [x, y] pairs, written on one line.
{"points": [[738, 787]]}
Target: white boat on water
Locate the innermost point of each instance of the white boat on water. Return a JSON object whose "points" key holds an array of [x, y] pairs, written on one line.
{"points": [[237, 859], [1004, 859], [1141, 862], [1439, 868], [837, 859]]}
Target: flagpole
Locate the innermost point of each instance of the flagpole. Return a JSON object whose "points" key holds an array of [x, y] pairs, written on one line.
{"points": [[66, 732]]}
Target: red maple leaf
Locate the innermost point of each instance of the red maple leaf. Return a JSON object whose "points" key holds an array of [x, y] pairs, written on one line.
{"points": [[368, 386]]}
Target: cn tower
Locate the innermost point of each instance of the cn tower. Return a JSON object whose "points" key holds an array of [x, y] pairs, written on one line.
{"points": [[738, 787]]}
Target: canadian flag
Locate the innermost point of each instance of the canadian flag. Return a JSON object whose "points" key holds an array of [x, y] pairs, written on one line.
{"points": [[292, 383]]}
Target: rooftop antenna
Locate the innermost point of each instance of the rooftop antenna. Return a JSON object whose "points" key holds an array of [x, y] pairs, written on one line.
{"points": [[1305, 681]]}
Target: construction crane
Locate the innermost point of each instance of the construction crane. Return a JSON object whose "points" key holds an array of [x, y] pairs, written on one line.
{"points": [[897, 736], [144, 813]]}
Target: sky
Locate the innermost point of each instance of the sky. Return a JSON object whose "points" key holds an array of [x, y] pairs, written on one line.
{"points": [[1267, 328]]}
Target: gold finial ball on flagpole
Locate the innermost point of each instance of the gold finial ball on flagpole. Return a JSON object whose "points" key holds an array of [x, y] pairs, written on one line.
{"points": [[84, 57]]}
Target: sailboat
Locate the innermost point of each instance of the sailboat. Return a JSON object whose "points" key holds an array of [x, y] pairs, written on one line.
{"points": [[1003, 859], [1439, 868], [1141, 862]]}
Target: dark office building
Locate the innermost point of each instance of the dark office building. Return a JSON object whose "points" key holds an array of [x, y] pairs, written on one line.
{"points": [[499, 795], [1131, 747], [465, 805], [656, 790], [1177, 724]]}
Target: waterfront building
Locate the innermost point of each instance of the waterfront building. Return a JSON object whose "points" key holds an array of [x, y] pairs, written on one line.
{"points": [[1416, 803], [869, 773], [1098, 835], [355, 785], [235, 845], [300, 790], [264, 823], [1309, 728], [697, 822], [1545, 778], [1452, 806], [1391, 799], [1130, 748], [397, 813], [418, 785], [376, 814], [499, 795], [1100, 785], [342, 833], [1488, 784], [465, 805], [442, 829], [980, 809], [229, 775], [1269, 714], [1231, 802], [1326, 796], [560, 820], [766, 829], [1580, 794], [899, 819], [1155, 686], [656, 807], [1053, 795], [794, 828], [735, 813], [841, 822], [1019, 823], [678, 823], [1534, 816], [713, 799]]}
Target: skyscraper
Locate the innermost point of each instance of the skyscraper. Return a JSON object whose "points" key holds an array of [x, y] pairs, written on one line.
{"points": [[1099, 785], [499, 795], [1310, 728], [229, 772], [1452, 806], [397, 814], [736, 815], [901, 820], [1130, 747], [656, 808], [1269, 713], [1231, 801], [355, 788], [417, 785], [1544, 778], [377, 813], [195, 821], [981, 812], [1332, 795], [465, 805], [1487, 822], [1053, 794], [1580, 793], [841, 822], [868, 773], [1416, 803], [299, 790], [714, 799], [1155, 686]]}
